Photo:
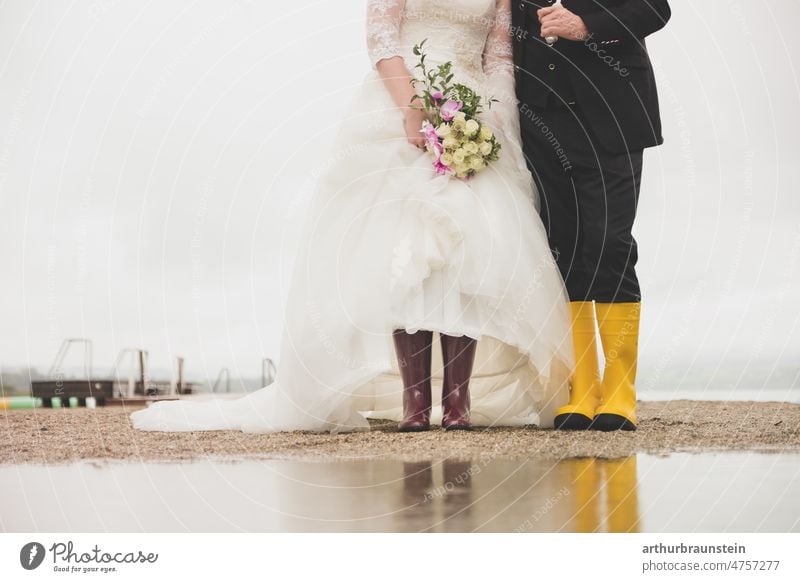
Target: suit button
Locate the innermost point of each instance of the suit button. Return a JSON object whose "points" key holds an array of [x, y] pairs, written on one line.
{"points": [[522, 5], [551, 66]]}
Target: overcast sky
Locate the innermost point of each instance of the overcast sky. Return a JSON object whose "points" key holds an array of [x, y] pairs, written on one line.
{"points": [[155, 159]]}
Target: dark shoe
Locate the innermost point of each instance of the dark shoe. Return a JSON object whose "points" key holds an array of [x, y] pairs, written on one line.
{"points": [[414, 360], [572, 421], [608, 422], [458, 354]]}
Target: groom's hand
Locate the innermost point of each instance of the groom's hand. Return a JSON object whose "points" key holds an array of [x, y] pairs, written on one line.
{"points": [[558, 21]]}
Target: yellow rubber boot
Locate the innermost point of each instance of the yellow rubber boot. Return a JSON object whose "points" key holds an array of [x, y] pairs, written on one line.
{"points": [[584, 394], [619, 333]]}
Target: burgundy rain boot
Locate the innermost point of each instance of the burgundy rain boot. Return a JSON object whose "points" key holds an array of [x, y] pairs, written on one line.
{"points": [[458, 354], [414, 360]]}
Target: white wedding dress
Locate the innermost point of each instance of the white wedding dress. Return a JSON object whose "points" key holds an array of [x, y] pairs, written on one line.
{"points": [[390, 244]]}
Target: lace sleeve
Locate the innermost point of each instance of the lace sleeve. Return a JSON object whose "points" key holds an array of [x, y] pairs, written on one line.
{"points": [[498, 64], [383, 29], [497, 54]]}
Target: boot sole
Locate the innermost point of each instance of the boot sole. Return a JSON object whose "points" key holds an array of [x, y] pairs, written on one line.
{"points": [[414, 429], [457, 427], [572, 421], [612, 422]]}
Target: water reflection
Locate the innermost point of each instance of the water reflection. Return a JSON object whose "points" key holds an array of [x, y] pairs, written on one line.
{"points": [[605, 495], [708, 492], [575, 495], [441, 499]]}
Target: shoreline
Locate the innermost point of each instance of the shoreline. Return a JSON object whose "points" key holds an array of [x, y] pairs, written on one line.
{"points": [[47, 436]]}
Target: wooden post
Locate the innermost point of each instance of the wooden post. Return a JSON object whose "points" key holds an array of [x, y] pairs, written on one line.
{"points": [[143, 376], [180, 375]]}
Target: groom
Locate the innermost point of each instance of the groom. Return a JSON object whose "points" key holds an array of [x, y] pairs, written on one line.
{"points": [[588, 108]]}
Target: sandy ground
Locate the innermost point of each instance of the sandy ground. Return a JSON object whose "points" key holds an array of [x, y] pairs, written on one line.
{"points": [[66, 435]]}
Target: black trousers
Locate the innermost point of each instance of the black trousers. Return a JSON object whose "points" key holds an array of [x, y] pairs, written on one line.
{"points": [[588, 203]]}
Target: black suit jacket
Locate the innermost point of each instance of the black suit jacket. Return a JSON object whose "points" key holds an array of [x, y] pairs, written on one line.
{"points": [[609, 75]]}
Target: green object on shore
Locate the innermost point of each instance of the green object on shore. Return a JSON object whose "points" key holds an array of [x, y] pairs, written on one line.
{"points": [[55, 402], [20, 402], [73, 402]]}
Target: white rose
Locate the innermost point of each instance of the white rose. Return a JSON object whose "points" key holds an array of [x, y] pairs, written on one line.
{"points": [[486, 148], [486, 133], [459, 155], [443, 130], [447, 159], [472, 127], [477, 163], [471, 147], [450, 143], [462, 171]]}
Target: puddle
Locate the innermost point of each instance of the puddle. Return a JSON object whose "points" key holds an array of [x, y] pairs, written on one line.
{"points": [[725, 492]]}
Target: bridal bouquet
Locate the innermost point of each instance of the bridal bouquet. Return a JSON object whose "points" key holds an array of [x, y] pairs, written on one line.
{"points": [[459, 143]]}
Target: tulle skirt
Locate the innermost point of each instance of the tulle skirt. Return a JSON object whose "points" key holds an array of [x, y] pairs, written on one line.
{"points": [[390, 244]]}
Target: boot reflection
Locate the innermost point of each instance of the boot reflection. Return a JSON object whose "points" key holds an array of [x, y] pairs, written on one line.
{"points": [[605, 495], [417, 482], [622, 496], [437, 503], [457, 496], [585, 480]]}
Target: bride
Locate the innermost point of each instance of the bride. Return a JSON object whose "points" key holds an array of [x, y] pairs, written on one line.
{"points": [[394, 252]]}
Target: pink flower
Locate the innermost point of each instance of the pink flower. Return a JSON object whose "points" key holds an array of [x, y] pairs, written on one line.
{"points": [[440, 167], [435, 147], [429, 131], [437, 96], [449, 109]]}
